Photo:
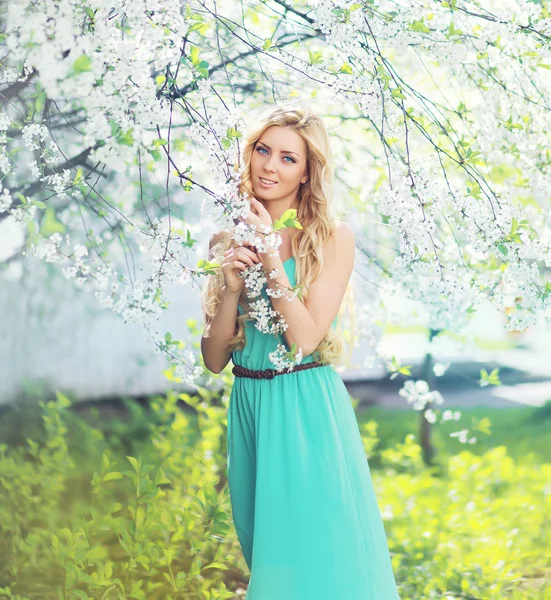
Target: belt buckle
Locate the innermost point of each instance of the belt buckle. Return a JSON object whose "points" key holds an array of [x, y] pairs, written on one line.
{"points": [[270, 373]]}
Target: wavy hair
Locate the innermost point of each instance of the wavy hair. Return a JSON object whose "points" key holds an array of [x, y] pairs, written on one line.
{"points": [[314, 212]]}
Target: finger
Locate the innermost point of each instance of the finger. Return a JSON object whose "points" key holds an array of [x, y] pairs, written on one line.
{"points": [[235, 264], [251, 253], [239, 265], [257, 205], [244, 257], [253, 248]]}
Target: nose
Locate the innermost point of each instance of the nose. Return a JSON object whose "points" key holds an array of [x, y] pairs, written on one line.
{"points": [[268, 166]]}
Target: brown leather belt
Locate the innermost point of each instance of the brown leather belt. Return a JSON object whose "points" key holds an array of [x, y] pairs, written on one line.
{"points": [[240, 371]]}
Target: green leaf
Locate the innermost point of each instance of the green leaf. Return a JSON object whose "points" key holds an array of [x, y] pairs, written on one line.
{"points": [[78, 176], [194, 55], [167, 577], [315, 57], [50, 224], [161, 478], [134, 463], [233, 133], [346, 68], [62, 400], [397, 93], [203, 68], [287, 219], [419, 26], [82, 63], [105, 462], [484, 425], [491, 379], [39, 102], [290, 213], [215, 565], [126, 138], [452, 31]]}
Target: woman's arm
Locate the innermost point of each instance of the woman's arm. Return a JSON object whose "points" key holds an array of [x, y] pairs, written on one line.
{"points": [[309, 321], [220, 329]]}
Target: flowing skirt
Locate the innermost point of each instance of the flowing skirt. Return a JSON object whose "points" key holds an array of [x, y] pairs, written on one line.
{"points": [[302, 497]]}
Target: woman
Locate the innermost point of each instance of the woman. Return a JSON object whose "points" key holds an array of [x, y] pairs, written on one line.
{"points": [[303, 502]]}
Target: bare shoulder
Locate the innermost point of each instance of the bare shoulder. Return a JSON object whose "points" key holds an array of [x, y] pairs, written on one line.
{"points": [[343, 248], [344, 233]]}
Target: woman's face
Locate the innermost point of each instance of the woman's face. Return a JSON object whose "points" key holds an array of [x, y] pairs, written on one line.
{"points": [[279, 156]]}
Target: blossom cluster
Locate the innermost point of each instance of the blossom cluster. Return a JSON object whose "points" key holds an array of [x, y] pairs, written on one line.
{"points": [[280, 358], [266, 319], [457, 182]]}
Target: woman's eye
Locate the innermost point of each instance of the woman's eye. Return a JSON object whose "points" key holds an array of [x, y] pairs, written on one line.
{"points": [[291, 159]]}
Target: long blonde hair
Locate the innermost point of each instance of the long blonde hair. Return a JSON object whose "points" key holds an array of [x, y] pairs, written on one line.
{"points": [[314, 212]]}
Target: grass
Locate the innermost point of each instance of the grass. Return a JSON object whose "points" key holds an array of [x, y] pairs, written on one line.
{"points": [[526, 431]]}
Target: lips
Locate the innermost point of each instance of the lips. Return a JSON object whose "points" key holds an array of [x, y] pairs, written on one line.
{"points": [[267, 181]]}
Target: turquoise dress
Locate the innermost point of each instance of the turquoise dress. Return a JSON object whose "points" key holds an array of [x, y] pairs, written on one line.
{"points": [[302, 498]]}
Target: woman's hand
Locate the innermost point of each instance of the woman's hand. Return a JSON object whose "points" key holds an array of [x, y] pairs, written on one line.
{"points": [[235, 261], [260, 218]]}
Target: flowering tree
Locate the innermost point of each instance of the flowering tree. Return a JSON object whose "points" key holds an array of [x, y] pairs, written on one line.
{"points": [[440, 120]]}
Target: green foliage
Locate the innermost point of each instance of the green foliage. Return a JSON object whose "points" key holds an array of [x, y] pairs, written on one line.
{"points": [[199, 66], [207, 267], [476, 526], [525, 431], [479, 531], [82, 63], [419, 26], [131, 501], [287, 219], [50, 224], [139, 509], [314, 57], [489, 379]]}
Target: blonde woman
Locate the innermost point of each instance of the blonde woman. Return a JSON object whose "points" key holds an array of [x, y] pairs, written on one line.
{"points": [[302, 497]]}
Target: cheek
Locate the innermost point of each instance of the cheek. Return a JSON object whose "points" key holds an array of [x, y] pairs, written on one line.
{"points": [[293, 173], [256, 161]]}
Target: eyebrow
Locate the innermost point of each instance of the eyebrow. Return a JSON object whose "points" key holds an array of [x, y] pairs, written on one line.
{"points": [[284, 151]]}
